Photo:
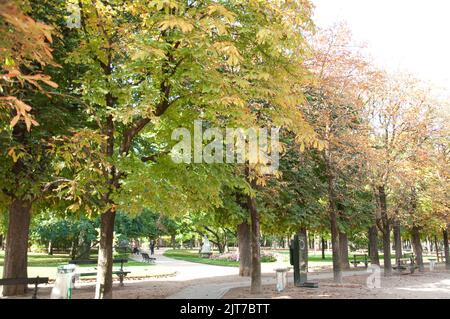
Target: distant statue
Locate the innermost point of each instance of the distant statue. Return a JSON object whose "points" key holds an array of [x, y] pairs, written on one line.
{"points": [[206, 247]]}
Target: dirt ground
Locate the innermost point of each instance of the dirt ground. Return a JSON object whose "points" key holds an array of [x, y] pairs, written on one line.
{"points": [[133, 289], [428, 285]]}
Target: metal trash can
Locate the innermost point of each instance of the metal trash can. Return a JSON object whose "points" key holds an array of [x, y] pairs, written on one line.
{"points": [[64, 283]]}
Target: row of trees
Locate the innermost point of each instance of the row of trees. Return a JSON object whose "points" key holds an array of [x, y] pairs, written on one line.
{"points": [[87, 115]]}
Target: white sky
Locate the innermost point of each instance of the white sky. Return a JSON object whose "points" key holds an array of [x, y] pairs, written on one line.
{"points": [[411, 35]]}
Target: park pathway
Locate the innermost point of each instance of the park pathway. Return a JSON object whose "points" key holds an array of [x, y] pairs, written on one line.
{"points": [[186, 271], [217, 291]]}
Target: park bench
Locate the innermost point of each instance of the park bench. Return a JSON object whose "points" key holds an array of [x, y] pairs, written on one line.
{"points": [[359, 258], [147, 258], [25, 281], [120, 273]]}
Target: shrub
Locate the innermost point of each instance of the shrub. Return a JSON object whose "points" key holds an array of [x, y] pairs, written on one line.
{"points": [[267, 257], [226, 256]]}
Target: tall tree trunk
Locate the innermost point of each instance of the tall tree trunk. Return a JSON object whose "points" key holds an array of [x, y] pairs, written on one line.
{"points": [[103, 288], [74, 248], [15, 265], [429, 245], [337, 271], [1, 241], [446, 248], [397, 240], [323, 248], [173, 242], [436, 245], [221, 247], [245, 249], [343, 246], [255, 287], [386, 231], [50, 248], [417, 246], [373, 246]]}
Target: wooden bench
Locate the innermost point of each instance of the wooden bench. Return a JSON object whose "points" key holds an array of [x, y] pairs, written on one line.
{"points": [[120, 273], [357, 259], [147, 258], [25, 281]]}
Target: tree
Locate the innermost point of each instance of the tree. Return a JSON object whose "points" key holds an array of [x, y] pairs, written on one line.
{"points": [[335, 111], [26, 164], [399, 117], [142, 73], [25, 45], [64, 231]]}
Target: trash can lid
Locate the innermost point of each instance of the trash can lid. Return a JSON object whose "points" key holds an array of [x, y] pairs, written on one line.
{"points": [[66, 268]]}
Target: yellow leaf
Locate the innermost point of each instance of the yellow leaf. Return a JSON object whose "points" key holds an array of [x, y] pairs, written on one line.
{"points": [[176, 23], [12, 153], [15, 120], [27, 122]]}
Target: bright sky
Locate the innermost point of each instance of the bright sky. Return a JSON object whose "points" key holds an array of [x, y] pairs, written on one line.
{"points": [[411, 35]]}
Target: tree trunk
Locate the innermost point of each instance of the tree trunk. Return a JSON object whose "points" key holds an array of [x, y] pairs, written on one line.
{"points": [[397, 240], [446, 248], [245, 250], [436, 247], [255, 287], [386, 231], [221, 247], [343, 246], [387, 251], [103, 288], [429, 244], [373, 246], [323, 248], [173, 241], [1, 241], [417, 246], [15, 265], [337, 272], [73, 249], [50, 248]]}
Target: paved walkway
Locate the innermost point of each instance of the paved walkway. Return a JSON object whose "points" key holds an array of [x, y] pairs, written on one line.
{"points": [[217, 291], [186, 271]]}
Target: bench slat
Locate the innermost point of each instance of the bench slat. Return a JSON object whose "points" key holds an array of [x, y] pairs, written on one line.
{"points": [[86, 274], [92, 261], [24, 281]]}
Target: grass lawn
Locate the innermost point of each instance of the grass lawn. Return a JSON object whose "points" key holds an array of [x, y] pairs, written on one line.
{"points": [[192, 256], [44, 265]]}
